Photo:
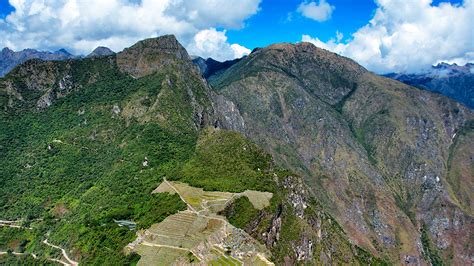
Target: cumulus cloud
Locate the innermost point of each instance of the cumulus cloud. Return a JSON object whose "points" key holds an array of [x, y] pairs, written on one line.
{"points": [[409, 36], [82, 25], [319, 12], [213, 43]]}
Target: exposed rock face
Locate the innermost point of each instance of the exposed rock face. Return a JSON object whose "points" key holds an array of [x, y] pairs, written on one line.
{"points": [[227, 114], [453, 81], [147, 56], [100, 52], [10, 59], [372, 149], [47, 99], [42, 82], [299, 231]]}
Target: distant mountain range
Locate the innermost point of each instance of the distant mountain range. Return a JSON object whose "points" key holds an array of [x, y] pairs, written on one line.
{"points": [[9, 59], [209, 67], [456, 82], [453, 81]]}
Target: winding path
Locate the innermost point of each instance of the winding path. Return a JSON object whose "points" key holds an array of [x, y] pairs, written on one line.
{"points": [[71, 261]]}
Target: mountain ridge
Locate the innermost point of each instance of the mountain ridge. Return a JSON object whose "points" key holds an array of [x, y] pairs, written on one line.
{"points": [[10, 59], [450, 80], [374, 153]]}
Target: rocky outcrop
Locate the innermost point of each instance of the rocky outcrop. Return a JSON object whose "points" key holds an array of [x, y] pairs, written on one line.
{"points": [[148, 56], [299, 231], [227, 114], [47, 99], [42, 82]]}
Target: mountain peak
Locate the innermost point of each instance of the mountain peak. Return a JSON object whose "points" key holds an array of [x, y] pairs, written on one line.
{"points": [[6, 50], [101, 51], [167, 44], [149, 55], [63, 51]]}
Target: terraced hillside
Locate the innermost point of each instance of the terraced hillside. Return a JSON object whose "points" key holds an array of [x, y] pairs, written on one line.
{"points": [[199, 234]]}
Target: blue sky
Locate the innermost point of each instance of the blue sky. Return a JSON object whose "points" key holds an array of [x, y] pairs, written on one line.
{"points": [[5, 8], [271, 24], [231, 28]]}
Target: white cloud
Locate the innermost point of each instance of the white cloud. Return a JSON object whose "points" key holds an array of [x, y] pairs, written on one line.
{"points": [[213, 43], [239, 50], [81, 25], [332, 45], [319, 12], [408, 36]]}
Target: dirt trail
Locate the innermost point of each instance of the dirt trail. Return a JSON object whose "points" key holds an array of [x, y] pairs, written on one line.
{"points": [[13, 224], [71, 261], [177, 192]]}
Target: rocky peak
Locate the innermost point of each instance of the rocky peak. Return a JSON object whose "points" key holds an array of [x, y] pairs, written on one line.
{"points": [[167, 44], [308, 53], [7, 50], [63, 52], [325, 75], [101, 51], [148, 56]]}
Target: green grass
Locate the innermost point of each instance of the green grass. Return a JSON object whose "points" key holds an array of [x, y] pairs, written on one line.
{"points": [[226, 161]]}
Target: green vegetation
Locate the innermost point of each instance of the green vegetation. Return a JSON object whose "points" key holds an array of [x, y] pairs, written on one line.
{"points": [[14, 239], [20, 260], [98, 152], [78, 166], [430, 251], [241, 212], [226, 161]]}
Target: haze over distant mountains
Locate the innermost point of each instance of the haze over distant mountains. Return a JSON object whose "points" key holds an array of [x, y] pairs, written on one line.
{"points": [[10, 59], [456, 82]]}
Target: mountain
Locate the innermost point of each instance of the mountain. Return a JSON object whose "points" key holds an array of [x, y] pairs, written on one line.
{"points": [[293, 155], [101, 51], [453, 81], [209, 67], [132, 158], [9, 59], [392, 163]]}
